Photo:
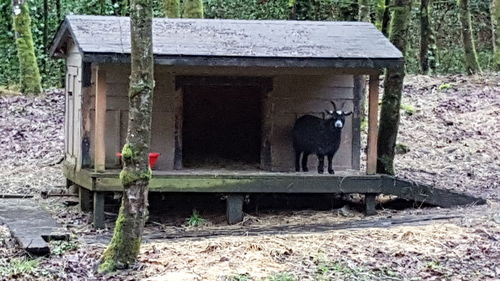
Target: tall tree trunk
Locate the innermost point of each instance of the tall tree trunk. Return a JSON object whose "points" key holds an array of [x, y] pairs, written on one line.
{"points": [[471, 63], [495, 32], [393, 86], [364, 10], [428, 51], [386, 18], [135, 176], [192, 9], [172, 9], [349, 10], [28, 68], [58, 9]]}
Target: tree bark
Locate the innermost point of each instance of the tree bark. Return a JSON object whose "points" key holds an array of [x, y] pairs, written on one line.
{"points": [[172, 9], [471, 62], [192, 9], [393, 86], [385, 19], [427, 40], [124, 247], [364, 10], [495, 32], [28, 68], [58, 9]]}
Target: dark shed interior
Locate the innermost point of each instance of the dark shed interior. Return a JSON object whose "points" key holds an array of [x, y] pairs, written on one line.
{"points": [[222, 126]]}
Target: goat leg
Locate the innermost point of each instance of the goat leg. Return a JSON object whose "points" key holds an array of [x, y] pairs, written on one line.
{"points": [[330, 167], [304, 162], [321, 163], [297, 161]]}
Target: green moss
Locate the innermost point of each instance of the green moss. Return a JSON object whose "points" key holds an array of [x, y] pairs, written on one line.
{"points": [[127, 177], [193, 9], [29, 72], [127, 152], [172, 9], [408, 109], [121, 252], [402, 148]]}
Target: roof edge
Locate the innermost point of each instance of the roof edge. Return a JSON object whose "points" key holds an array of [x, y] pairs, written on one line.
{"points": [[178, 60], [58, 39]]}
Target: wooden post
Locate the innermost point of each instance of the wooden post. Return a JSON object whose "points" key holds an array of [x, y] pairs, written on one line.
{"points": [[234, 208], [98, 215], [85, 198], [370, 204], [100, 120], [178, 115], [371, 159]]}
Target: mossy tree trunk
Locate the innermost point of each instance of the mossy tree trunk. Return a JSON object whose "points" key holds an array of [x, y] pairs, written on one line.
{"points": [[495, 15], [364, 10], [393, 87], [383, 16], [28, 67], [58, 9], [428, 59], [192, 9], [471, 62], [135, 176], [172, 9]]}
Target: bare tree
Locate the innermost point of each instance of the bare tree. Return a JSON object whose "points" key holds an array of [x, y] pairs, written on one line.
{"points": [[471, 62]]}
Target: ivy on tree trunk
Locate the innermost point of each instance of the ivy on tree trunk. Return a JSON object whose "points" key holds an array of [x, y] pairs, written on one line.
{"points": [[28, 67], [471, 63], [124, 247], [172, 9], [495, 11], [428, 53], [393, 86], [192, 9]]}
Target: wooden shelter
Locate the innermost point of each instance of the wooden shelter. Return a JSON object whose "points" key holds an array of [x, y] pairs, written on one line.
{"points": [[227, 93]]}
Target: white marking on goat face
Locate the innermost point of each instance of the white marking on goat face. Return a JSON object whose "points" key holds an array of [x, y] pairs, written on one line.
{"points": [[339, 112], [338, 124]]}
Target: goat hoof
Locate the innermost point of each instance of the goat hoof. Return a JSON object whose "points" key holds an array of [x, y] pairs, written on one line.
{"points": [[320, 171], [331, 172], [305, 170]]}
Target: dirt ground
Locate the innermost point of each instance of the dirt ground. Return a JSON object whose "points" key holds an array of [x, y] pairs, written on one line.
{"points": [[450, 125]]}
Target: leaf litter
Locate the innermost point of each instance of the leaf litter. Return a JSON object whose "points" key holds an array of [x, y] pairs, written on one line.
{"points": [[453, 132]]}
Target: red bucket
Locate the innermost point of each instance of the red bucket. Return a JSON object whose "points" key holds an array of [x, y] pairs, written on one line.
{"points": [[153, 157]]}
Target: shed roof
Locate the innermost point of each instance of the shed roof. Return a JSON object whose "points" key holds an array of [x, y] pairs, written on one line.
{"points": [[217, 41]]}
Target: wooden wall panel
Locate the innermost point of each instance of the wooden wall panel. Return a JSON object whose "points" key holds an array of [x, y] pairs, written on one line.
{"points": [[294, 96]]}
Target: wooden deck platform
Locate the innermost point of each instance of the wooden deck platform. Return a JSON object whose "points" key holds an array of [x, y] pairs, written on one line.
{"points": [[236, 184]]}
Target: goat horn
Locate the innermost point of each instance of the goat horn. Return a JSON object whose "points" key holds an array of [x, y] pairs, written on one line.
{"points": [[334, 106], [342, 107]]}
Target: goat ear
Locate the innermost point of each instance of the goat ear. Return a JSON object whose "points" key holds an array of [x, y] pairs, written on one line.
{"points": [[329, 112], [347, 113]]}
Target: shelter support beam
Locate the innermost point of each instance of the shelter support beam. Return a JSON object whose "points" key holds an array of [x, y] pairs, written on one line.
{"points": [[98, 216], [85, 198], [234, 208], [373, 92], [100, 119], [370, 204]]}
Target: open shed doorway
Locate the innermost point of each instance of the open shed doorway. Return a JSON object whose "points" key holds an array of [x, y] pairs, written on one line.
{"points": [[222, 124]]}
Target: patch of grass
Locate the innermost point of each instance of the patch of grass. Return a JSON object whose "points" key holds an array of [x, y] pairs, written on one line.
{"points": [[340, 270], [195, 219], [408, 109], [9, 90], [240, 277], [445, 86], [401, 148], [282, 276], [17, 266], [61, 247]]}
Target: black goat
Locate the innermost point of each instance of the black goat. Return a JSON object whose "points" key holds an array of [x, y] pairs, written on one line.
{"points": [[313, 135]]}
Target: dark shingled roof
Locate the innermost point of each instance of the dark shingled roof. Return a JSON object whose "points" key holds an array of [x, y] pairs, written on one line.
{"points": [[348, 44]]}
